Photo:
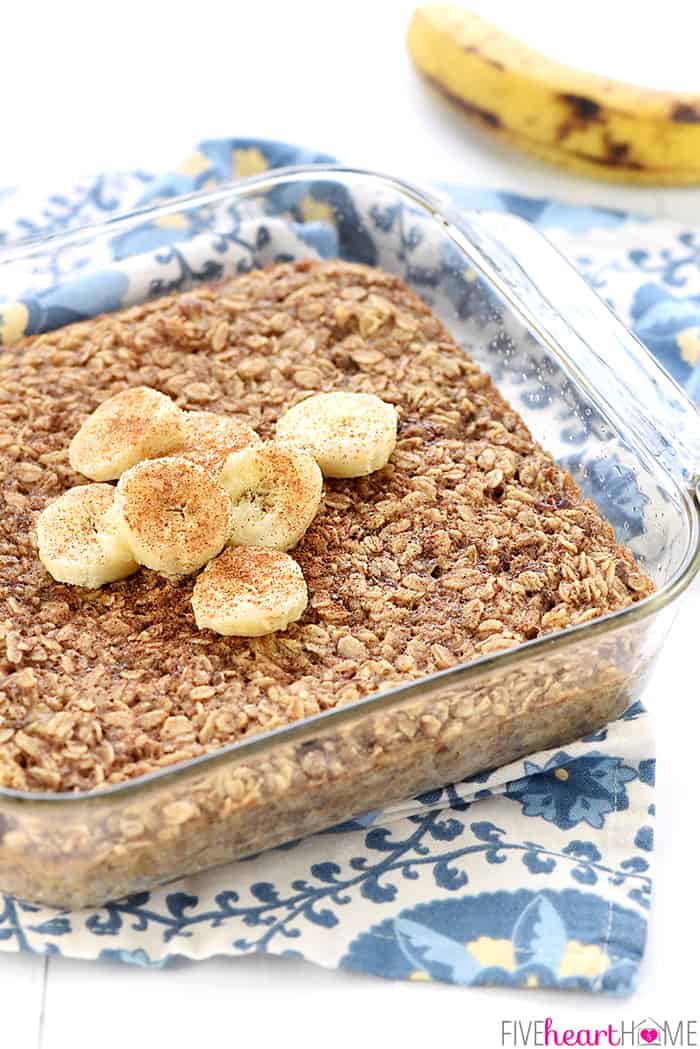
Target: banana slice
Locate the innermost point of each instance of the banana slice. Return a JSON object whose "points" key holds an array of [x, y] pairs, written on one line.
{"points": [[174, 514], [248, 591], [135, 424], [349, 434], [209, 438], [79, 540], [275, 491]]}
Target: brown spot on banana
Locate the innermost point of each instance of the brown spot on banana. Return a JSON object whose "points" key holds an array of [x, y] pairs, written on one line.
{"points": [[615, 158], [486, 116], [470, 49], [617, 151], [583, 109], [682, 113]]}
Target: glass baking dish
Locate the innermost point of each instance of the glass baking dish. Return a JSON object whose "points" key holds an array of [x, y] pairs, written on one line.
{"points": [[590, 394]]}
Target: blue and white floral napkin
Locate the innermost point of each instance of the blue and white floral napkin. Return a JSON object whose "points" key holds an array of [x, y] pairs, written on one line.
{"points": [[537, 874]]}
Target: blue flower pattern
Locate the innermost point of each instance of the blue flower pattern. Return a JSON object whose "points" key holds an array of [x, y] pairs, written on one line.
{"points": [[565, 837], [514, 939], [587, 792]]}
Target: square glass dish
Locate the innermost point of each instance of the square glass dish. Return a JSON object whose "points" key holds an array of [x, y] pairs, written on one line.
{"points": [[590, 394]]}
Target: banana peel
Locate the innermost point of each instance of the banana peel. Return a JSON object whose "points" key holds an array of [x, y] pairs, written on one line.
{"points": [[587, 124]]}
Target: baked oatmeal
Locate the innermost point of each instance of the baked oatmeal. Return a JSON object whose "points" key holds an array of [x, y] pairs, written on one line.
{"points": [[469, 541]]}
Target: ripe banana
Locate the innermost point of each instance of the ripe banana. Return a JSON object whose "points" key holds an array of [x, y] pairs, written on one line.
{"points": [[248, 591], [209, 438], [275, 492], [348, 434], [139, 423], [586, 123], [173, 514], [79, 540]]}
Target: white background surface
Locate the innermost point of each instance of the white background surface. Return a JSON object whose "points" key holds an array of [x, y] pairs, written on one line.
{"points": [[88, 87]]}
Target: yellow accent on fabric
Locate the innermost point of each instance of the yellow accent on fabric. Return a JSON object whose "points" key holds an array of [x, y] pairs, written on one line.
{"points": [[561, 774], [490, 952], [583, 959], [13, 322], [419, 975], [689, 345], [316, 210], [194, 164], [248, 162], [175, 221]]}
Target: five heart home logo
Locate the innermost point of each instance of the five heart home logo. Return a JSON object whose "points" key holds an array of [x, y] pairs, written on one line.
{"points": [[523, 1034]]}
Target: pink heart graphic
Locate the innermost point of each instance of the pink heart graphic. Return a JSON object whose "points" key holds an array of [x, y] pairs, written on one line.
{"points": [[649, 1034]]}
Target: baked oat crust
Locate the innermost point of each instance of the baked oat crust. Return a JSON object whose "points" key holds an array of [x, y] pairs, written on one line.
{"points": [[469, 542]]}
